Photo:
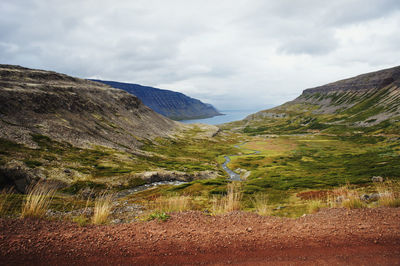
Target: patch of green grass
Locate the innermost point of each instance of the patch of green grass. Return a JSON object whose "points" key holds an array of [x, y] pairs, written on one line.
{"points": [[79, 185], [81, 220], [218, 191], [8, 146], [179, 187], [160, 216], [135, 182], [32, 163]]}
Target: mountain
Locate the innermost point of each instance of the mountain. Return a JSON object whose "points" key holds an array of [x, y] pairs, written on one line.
{"points": [[365, 103], [171, 104], [81, 112]]}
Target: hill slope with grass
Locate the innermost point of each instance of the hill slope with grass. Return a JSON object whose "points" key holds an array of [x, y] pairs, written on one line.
{"points": [[77, 111], [172, 104], [368, 103], [67, 129]]}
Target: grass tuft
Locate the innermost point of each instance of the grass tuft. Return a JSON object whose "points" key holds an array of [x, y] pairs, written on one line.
{"points": [[389, 194], [260, 203], [315, 206], [230, 202], [161, 216], [346, 197], [388, 199], [102, 208], [172, 204], [37, 200]]}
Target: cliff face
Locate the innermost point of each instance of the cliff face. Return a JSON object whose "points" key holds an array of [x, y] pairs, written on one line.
{"points": [[364, 82], [368, 102], [171, 104], [78, 111]]}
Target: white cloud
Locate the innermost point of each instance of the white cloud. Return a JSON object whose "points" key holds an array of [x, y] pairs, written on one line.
{"points": [[234, 54]]}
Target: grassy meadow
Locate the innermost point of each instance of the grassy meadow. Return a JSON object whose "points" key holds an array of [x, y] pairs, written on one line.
{"points": [[287, 175]]}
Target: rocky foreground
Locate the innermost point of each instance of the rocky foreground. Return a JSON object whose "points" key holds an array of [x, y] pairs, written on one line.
{"points": [[332, 236]]}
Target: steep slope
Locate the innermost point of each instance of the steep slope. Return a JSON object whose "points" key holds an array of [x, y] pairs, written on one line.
{"points": [[172, 104], [366, 103], [77, 111]]}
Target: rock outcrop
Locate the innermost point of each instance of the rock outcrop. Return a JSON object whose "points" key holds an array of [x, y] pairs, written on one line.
{"points": [[171, 104]]}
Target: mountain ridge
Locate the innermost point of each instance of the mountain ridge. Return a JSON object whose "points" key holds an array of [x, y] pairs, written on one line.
{"points": [[376, 79], [174, 105], [368, 102]]}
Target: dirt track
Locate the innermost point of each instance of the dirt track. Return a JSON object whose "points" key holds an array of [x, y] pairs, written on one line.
{"points": [[335, 236]]}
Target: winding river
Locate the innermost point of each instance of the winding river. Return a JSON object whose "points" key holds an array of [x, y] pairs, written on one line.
{"points": [[232, 175]]}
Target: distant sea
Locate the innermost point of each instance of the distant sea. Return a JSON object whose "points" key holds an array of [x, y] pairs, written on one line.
{"points": [[229, 116]]}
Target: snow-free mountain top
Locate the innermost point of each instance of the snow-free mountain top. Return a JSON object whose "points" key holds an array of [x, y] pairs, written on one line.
{"points": [[174, 105]]}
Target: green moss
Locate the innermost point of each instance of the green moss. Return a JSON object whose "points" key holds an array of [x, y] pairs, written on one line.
{"points": [[180, 187], [7, 146], [213, 182], [79, 185], [251, 189], [135, 182], [32, 163], [218, 191], [260, 182]]}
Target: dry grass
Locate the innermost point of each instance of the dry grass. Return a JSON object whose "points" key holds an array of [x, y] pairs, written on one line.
{"points": [[353, 202], [260, 203], [314, 206], [345, 197], [389, 199], [172, 204], [37, 200], [102, 208], [389, 194], [229, 203]]}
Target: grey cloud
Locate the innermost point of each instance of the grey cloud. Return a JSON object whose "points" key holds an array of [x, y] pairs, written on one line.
{"points": [[310, 43], [244, 53]]}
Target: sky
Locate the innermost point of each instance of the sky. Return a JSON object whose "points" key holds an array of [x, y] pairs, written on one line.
{"points": [[234, 54]]}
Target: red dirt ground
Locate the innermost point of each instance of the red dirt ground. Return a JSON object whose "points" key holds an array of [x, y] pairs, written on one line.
{"points": [[330, 237]]}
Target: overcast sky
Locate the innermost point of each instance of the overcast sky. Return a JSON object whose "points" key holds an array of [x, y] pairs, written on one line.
{"points": [[235, 54]]}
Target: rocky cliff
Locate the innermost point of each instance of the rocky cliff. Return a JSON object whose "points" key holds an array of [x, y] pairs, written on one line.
{"points": [[172, 104], [81, 112]]}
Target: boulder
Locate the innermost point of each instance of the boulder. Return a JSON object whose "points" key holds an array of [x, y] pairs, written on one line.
{"points": [[16, 174], [377, 179]]}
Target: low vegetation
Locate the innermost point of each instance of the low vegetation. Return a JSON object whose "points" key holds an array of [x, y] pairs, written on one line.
{"points": [[4, 200], [161, 216], [38, 200], [171, 203], [315, 206], [290, 175], [261, 204], [389, 194], [230, 202], [102, 208]]}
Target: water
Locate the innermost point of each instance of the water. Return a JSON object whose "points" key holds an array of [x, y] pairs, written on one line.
{"points": [[229, 116], [232, 175]]}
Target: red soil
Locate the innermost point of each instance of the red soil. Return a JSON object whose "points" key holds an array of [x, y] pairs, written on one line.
{"points": [[333, 236]]}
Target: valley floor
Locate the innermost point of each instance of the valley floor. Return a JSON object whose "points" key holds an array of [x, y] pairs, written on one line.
{"points": [[331, 236]]}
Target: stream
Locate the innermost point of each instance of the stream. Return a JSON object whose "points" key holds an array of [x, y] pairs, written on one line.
{"points": [[232, 175]]}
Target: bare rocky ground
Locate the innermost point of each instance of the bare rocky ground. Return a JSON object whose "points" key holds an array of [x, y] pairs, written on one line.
{"points": [[330, 237]]}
